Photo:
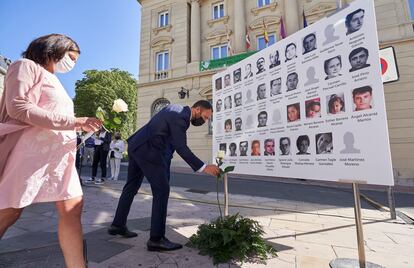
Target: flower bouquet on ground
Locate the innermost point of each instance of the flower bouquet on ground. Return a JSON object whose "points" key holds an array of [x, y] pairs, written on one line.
{"points": [[111, 121], [232, 238]]}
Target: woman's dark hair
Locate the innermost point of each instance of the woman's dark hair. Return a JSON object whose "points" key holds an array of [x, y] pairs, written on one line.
{"points": [[335, 98], [50, 47], [302, 138]]}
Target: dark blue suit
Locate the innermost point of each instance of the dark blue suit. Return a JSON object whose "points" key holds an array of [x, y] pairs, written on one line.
{"points": [[150, 151]]}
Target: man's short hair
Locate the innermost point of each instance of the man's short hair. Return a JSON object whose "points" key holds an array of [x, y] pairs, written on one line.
{"points": [[361, 90], [238, 118], [262, 112], [203, 104], [284, 138], [261, 58], [302, 138], [290, 44], [309, 35], [350, 15], [268, 140], [356, 51], [233, 145], [294, 73]]}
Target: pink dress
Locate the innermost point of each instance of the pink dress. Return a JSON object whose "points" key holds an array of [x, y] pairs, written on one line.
{"points": [[40, 162]]}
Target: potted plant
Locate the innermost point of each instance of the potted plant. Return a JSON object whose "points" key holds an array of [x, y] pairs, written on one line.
{"points": [[232, 238]]}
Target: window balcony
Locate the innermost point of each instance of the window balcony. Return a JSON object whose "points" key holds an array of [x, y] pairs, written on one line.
{"points": [[165, 74]]}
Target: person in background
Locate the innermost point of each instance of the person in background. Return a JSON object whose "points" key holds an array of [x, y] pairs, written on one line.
{"points": [[88, 151], [102, 141], [150, 151], [38, 141], [117, 148]]}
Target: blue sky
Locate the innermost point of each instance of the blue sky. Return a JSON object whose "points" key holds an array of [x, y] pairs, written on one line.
{"points": [[412, 8], [107, 31]]}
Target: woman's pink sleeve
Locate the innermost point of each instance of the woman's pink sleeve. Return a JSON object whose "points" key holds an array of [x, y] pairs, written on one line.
{"points": [[22, 89]]}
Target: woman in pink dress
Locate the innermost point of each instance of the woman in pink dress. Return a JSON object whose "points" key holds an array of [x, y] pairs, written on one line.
{"points": [[38, 141]]}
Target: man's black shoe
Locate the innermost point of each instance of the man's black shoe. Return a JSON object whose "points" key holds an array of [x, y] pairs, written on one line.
{"points": [[162, 245], [123, 231]]}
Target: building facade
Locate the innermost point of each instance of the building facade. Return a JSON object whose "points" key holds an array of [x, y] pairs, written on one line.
{"points": [[181, 39]]}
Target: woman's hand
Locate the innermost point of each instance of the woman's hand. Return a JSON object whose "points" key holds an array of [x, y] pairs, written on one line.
{"points": [[88, 123]]}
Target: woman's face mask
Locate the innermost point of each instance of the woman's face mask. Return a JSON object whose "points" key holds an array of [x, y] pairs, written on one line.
{"points": [[65, 64]]}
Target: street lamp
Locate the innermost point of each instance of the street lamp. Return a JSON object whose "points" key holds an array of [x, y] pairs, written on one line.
{"points": [[183, 92]]}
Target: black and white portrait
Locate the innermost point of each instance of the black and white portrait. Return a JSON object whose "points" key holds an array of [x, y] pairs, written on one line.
{"points": [[262, 119], [292, 81], [354, 21], [290, 52], [309, 43], [333, 67], [274, 59], [238, 99], [260, 63], [236, 76], [358, 59]]}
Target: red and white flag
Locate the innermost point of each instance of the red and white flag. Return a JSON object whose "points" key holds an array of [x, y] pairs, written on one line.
{"points": [[248, 43]]}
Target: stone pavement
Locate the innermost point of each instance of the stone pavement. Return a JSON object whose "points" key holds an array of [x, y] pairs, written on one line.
{"points": [[305, 234]]}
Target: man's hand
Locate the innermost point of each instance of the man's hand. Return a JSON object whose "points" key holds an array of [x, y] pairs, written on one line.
{"points": [[212, 170]]}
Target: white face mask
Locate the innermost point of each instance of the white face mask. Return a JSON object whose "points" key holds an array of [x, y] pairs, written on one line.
{"points": [[65, 64]]}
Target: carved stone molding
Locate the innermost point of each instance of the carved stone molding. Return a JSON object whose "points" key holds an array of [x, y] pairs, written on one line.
{"points": [[161, 41], [217, 36], [162, 29], [224, 19], [319, 8], [162, 8], [268, 20], [256, 10], [206, 92]]}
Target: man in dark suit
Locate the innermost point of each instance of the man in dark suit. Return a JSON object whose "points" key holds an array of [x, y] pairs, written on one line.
{"points": [[150, 151], [102, 142]]}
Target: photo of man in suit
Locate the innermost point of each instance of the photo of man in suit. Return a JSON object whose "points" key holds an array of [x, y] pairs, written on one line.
{"points": [[150, 151], [358, 59], [309, 43]]}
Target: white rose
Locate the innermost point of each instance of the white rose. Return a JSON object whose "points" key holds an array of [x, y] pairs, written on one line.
{"points": [[220, 154], [120, 106]]}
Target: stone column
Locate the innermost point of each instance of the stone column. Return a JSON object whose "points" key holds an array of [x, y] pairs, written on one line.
{"points": [[195, 31], [239, 26], [291, 16]]}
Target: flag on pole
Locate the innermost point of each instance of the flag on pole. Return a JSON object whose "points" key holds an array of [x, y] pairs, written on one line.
{"points": [[265, 34], [338, 4], [282, 29], [229, 47], [305, 23], [248, 43]]}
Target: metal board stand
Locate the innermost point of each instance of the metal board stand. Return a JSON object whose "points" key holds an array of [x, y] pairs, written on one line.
{"points": [[226, 195], [361, 262]]}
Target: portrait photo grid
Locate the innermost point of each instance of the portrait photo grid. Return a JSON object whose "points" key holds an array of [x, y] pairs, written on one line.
{"points": [[309, 106]]}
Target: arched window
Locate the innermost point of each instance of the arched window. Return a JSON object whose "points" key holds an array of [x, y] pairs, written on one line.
{"points": [[157, 105]]}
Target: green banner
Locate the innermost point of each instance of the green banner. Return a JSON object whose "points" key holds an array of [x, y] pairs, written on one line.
{"points": [[224, 62]]}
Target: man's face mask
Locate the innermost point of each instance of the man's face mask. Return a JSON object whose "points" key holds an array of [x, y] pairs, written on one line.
{"points": [[65, 64], [197, 120]]}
